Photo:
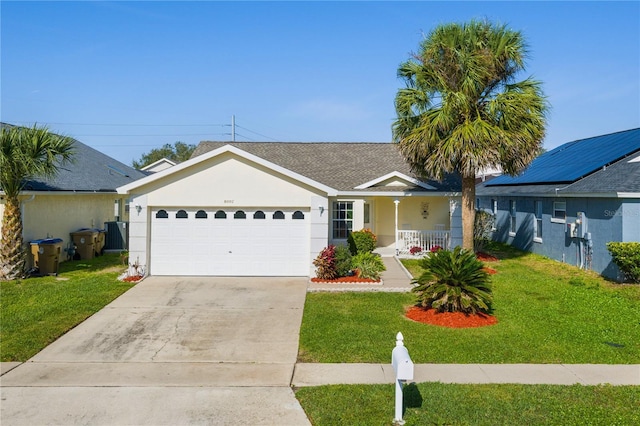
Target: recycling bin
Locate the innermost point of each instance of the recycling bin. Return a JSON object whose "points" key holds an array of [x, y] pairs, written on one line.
{"points": [[85, 241], [46, 255]]}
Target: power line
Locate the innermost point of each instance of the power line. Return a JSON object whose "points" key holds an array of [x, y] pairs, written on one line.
{"points": [[233, 124], [259, 134], [130, 125], [154, 135]]}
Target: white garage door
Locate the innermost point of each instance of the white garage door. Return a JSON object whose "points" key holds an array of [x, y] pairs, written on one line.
{"points": [[238, 242]]}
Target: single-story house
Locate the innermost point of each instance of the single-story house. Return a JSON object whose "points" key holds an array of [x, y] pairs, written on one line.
{"points": [[254, 208], [571, 201], [82, 195]]}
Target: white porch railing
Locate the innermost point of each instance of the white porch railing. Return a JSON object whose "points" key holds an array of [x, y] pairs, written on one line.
{"points": [[426, 240]]}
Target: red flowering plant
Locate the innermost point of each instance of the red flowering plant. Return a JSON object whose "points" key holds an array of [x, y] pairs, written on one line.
{"points": [[435, 249], [325, 263], [415, 250]]}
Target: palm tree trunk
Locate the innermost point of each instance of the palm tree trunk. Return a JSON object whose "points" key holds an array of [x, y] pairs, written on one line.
{"points": [[468, 210], [12, 255]]}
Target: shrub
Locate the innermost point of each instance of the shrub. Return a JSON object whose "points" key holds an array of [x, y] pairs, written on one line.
{"points": [[325, 263], [363, 241], [482, 226], [454, 281], [369, 264], [627, 257], [343, 261]]}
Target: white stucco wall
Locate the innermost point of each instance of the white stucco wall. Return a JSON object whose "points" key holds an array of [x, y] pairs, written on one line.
{"points": [[228, 180]]}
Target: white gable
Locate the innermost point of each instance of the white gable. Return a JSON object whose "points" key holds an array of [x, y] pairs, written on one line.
{"points": [[394, 179]]}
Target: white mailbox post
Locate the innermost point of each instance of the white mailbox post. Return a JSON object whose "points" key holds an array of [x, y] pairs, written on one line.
{"points": [[403, 366]]}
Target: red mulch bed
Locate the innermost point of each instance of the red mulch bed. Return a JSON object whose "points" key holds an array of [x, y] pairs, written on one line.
{"points": [[449, 319], [133, 278], [486, 257], [490, 271], [341, 280]]}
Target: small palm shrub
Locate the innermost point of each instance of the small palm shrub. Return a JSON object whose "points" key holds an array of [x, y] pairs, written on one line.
{"points": [[370, 265], [627, 257], [325, 263], [342, 257], [454, 281], [363, 241]]}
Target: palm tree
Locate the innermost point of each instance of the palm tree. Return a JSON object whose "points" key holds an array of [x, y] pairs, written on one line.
{"points": [[25, 153], [462, 109]]}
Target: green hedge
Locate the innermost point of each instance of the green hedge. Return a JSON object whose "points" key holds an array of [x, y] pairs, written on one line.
{"points": [[627, 257]]}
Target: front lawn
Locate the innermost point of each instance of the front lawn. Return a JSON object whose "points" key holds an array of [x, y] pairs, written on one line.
{"points": [[36, 311], [456, 404], [547, 313]]}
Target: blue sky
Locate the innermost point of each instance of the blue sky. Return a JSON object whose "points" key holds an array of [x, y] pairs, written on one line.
{"points": [[126, 77]]}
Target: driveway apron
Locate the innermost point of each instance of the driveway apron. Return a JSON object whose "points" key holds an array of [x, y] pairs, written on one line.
{"points": [[171, 350]]}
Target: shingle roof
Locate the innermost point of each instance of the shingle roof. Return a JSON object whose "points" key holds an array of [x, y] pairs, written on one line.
{"points": [[91, 171], [622, 176], [339, 165]]}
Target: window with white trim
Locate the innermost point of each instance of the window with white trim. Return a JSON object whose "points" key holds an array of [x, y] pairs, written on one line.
{"points": [[342, 219], [559, 211], [537, 221], [512, 214]]}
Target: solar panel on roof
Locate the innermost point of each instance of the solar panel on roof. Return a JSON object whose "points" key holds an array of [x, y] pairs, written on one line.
{"points": [[574, 160]]}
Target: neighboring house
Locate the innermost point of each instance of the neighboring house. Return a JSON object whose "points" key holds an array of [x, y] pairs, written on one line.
{"points": [[571, 201], [487, 174], [158, 166], [82, 195], [253, 208]]}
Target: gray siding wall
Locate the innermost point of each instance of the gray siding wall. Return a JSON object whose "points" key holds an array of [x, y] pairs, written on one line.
{"points": [[630, 213], [605, 218]]}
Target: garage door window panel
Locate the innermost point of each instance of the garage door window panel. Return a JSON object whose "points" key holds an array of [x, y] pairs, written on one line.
{"points": [[220, 215], [181, 214], [297, 215], [278, 215], [162, 214], [259, 215], [201, 214]]}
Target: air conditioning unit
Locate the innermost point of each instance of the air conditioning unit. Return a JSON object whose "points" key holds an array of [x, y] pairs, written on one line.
{"points": [[117, 235]]}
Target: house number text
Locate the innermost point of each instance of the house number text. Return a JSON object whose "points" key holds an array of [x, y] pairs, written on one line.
{"points": [[228, 201]]}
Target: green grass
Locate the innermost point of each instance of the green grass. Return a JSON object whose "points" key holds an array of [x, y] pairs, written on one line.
{"points": [[547, 313], [36, 311], [455, 404]]}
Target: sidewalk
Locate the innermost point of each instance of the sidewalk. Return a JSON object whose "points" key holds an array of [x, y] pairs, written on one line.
{"points": [[552, 374]]}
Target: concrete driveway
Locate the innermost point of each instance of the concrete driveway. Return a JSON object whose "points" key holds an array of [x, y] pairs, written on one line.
{"points": [[170, 351]]}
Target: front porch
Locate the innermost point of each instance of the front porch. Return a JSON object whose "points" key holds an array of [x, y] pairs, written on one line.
{"points": [[401, 223]]}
